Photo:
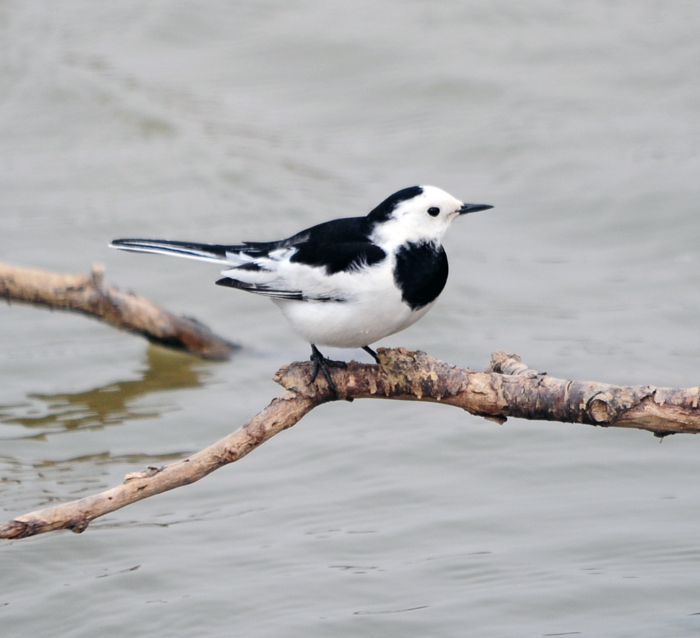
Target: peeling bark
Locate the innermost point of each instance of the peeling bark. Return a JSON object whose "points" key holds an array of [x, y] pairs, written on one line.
{"points": [[507, 389], [89, 295]]}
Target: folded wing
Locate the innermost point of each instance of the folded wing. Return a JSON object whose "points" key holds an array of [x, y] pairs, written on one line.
{"points": [[302, 267]]}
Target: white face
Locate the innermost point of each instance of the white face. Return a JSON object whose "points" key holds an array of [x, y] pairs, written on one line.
{"points": [[424, 218]]}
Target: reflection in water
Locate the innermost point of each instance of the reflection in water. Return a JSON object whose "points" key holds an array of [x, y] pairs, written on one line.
{"points": [[111, 404]]}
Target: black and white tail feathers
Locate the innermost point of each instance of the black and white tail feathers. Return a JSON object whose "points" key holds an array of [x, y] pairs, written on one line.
{"points": [[205, 252]]}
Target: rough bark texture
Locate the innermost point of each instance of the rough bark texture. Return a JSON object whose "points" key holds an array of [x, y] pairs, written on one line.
{"points": [[507, 388], [89, 295]]}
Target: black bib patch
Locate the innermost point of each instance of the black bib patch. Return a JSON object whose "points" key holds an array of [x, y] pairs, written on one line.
{"points": [[420, 273]]}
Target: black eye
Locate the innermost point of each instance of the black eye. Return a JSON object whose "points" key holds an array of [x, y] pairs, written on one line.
{"points": [[433, 211]]}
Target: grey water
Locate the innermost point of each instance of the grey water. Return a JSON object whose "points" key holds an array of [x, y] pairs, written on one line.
{"points": [[230, 121]]}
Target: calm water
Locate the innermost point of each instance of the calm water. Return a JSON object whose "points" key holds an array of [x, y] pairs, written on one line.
{"points": [[226, 121]]}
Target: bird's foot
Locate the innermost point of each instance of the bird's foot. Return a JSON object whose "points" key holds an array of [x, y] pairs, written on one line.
{"points": [[322, 364], [372, 353]]}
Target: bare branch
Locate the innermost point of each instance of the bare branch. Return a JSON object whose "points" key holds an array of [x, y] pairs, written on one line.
{"points": [[89, 295], [282, 413], [509, 389]]}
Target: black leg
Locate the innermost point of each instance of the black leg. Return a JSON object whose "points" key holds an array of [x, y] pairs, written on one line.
{"points": [[369, 351], [321, 363]]}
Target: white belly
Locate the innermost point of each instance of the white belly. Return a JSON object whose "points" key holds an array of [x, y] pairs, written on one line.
{"points": [[366, 317]]}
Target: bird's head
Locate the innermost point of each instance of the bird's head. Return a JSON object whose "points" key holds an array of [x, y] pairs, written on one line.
{"points": [[417, 214]]}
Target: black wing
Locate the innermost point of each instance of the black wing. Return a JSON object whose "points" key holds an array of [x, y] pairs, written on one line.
{"points": [[338, 245]]}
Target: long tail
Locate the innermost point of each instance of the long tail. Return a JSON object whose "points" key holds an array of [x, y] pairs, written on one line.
{"points": [[216, 253]]}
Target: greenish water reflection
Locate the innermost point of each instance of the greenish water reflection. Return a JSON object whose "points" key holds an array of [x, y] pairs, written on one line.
{"points": [[111, 404]]}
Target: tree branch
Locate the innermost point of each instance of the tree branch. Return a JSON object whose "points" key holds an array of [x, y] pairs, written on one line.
{"points": [[89, 295], [507, 388]]}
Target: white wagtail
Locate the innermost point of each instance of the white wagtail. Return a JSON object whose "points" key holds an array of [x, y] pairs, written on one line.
{"points": [[344, 283]]}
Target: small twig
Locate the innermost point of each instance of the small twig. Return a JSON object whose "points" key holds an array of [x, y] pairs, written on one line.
{"points": [[508, 363], [403, 375], [89, 295]]}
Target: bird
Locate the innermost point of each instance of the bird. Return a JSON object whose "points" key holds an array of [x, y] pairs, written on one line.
{"points": [[347, 282]]}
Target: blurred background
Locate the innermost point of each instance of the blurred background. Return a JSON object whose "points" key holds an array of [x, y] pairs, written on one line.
{"points": [[230, 121]]}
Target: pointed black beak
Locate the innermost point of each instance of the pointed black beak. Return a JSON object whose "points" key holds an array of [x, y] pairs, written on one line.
{"points": [[473, 208]]}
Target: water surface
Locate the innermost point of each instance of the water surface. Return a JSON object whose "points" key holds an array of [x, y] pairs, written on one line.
{"points": [[251, 120]]}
